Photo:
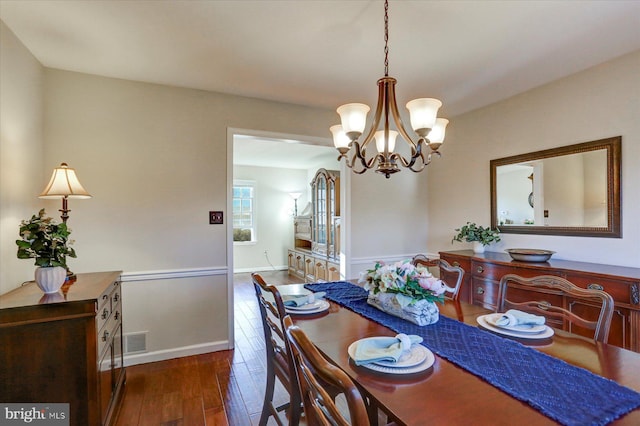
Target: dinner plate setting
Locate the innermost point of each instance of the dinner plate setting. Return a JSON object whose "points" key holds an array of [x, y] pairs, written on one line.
{"points": [[314, 307], [489, 321], [416, 359]]}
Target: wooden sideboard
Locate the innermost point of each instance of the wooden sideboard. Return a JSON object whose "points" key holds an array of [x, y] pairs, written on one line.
{"points": [[65, 347], [484, 271]]}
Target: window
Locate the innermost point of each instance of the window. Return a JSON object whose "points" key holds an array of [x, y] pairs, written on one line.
{"points": [[244, 228]]}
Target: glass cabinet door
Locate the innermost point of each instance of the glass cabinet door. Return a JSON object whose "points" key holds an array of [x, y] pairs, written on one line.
{"points": [[321, 210]]}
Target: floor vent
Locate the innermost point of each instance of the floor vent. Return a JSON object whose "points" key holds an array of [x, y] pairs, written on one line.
{"points": [[135, 342]]}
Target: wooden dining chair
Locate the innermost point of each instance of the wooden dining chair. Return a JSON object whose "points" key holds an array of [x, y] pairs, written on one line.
{"points": [[560, 302], [451, 275], [279, 359], [314, 371]]}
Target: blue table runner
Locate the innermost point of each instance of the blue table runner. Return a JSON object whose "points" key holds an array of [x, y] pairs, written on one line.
{"points": [[567, 394]]}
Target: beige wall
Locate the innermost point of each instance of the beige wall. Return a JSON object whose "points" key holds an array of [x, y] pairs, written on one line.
{"points": [[21, 163], [601, 102], [274, 209]]}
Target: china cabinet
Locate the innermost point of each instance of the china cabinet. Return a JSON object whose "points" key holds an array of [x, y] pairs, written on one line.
{"points": [[316, 250], [484, 271]]}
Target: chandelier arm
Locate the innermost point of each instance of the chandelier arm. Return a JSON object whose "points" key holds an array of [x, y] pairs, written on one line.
{"points": [[425, 163], [417, 153], [376, 119], [396, 117], [359, 154]]}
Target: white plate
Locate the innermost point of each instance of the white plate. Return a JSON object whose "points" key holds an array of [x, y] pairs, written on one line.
{"points": [[482, 320], [426, 363], [319, 306], [307, 306], [533, 329]]}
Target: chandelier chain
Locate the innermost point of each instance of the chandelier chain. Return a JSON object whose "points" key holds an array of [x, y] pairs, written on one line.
{"points": [[386, 38]]}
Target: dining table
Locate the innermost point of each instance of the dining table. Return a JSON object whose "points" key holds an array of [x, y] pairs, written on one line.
{"points": [[452, 393]]}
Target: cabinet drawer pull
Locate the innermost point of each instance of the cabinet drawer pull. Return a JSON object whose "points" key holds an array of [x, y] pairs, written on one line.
{"points": [[105, 313], [479, 269], [116, 315], [544, 305], [105, 297], [116, 297], [105, 336], [594, 286], [480, 290], [456, 263]]}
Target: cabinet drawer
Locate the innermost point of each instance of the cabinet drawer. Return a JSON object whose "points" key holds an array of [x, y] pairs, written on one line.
{"points": [[484, 292], [463, 262], [495, 272], [618, 289]]}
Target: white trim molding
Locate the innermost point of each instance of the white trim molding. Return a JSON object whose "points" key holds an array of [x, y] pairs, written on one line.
{"points": [[161, 355], [173, 273]]}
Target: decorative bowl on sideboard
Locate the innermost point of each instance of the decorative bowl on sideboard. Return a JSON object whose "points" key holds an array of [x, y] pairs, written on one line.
{"points": [[530, 255]]}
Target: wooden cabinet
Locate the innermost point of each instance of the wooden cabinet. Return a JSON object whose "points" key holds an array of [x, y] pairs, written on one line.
{"points": [[65, 347], [316, 245], [311, 267], [484, 271]]}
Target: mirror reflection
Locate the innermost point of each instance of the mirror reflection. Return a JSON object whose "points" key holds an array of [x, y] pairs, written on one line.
{"points": [[569, 190], [572, 190]]}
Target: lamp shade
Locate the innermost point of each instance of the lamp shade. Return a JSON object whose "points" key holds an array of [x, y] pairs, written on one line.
{"points": [[295, 195], [353, 117], [423, 112], [380, 142], [436, 135], [64, 183], [340, 139]]}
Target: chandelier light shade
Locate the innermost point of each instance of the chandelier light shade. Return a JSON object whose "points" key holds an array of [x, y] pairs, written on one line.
{"points": [[64, 184], [430, 129]]}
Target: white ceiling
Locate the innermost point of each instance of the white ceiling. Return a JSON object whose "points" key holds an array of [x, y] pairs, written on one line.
{"points": [[325, 52]]}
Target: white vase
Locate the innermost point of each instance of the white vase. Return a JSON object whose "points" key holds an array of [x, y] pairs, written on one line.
{"points": [[421, 312], [478, 247], [51, 278]]}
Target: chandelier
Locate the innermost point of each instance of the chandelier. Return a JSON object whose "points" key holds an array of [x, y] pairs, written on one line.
{"points": [[423, 112]]}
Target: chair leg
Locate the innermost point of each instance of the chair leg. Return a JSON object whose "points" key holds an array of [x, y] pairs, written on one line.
{"points": [[268, 398]]}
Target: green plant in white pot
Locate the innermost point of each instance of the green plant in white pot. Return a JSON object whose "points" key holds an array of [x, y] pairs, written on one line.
{"points": [[48, 243], [478, 235]]}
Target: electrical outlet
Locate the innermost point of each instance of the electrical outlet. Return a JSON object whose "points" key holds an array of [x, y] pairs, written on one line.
{"points": [[215, 218]]}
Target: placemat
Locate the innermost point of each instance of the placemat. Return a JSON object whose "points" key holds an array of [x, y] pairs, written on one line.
{"points": [[567, 394]]}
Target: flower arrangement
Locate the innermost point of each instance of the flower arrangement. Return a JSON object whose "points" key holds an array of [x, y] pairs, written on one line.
{"points": [[45, 241], [472, 232], [408, 282]]}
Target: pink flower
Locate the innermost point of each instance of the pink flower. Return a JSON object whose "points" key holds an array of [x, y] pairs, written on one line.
{"points": [[432, 284]]}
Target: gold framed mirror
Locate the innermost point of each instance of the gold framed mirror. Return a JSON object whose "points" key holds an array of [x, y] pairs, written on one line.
{"points": [[571, 190]]}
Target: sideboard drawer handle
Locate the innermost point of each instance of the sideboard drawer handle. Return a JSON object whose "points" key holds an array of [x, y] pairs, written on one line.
{"points": [[116, 297], [480, 290], [594, 286], [105, 336], [105, 297], [105, 313], [544, 305], [456, 263], [479, 269]]}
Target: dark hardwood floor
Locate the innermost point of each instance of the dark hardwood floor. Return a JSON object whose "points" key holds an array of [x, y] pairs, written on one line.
{"points": [[218, 388]]}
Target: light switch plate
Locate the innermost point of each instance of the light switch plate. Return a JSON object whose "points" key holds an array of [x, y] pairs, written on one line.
{"points": [[215, 218]]}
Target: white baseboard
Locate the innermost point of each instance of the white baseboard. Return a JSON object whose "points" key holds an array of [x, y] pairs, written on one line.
{"points": [[260, 269], [162, 355]]}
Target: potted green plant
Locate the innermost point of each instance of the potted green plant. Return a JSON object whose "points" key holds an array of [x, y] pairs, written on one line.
{"points": [[478, 235], [48, 243]]}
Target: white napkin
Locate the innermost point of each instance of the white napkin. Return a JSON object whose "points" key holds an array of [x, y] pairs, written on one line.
{"points": [[383, 348], [302, 300], [515, 318]]}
